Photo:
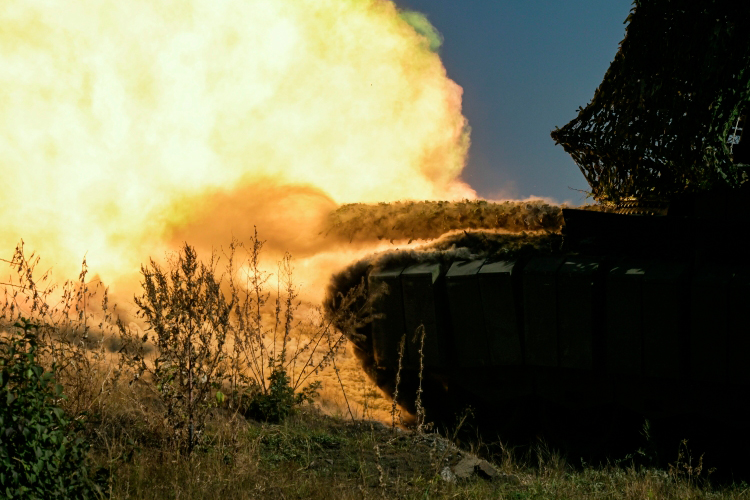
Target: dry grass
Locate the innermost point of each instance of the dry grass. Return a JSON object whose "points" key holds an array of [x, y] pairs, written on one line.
{"points": [[314, 456], [310, 455]]}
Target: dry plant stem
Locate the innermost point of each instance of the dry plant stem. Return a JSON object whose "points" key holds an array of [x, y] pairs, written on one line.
{"points": [[343, 390], [258, 281], [63, 326], [683, 466], [394, 404], [323, 332], [418, 403], [381, 473], [365, 400], [291, 295], [293, 361], [250, 334], [234, 366], [11, 284], [253, 333]]}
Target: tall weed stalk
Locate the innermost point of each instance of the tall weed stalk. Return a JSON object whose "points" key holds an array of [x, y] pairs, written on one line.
{"points": [[272, 345], [72, 324]]}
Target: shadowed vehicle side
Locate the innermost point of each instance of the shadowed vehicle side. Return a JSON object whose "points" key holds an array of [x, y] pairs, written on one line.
{"points": [[577, 338]]}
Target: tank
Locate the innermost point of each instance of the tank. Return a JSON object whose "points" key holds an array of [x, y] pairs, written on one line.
{"points": [[580, 337], [626, 330]]}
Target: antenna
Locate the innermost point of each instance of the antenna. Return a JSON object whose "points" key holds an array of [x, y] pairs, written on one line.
{"points": [[734, 138]]}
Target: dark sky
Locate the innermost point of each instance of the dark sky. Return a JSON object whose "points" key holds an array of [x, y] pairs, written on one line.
{"points": [[525, 67]]}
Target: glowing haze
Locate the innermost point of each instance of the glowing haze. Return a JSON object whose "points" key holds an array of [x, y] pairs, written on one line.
{"points": [[125, 126]]}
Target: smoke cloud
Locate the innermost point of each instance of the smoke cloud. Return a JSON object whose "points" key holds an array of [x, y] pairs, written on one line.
{"points": [[128, 126], [422, 25]]}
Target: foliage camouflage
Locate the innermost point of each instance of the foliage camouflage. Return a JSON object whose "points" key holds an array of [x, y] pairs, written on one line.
{"points": [[426, 220], [658, 123]]}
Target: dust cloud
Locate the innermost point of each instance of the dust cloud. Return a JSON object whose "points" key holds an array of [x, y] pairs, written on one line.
{"points": [[128, 126]]}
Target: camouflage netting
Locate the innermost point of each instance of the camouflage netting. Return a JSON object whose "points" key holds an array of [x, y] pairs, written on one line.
{"points": [[427, 220], [658, 123]]}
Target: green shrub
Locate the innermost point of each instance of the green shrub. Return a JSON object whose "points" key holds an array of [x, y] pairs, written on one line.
{"points": [[188, 318], [40, 455], [280, 400]]}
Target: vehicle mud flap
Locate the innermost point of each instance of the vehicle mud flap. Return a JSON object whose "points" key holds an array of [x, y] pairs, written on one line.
{"points": [[470, 343], [387, 329], [540, 311], [665, 312], [624, 319], [579, 306], [424, 306], [502, 309], [709, 315]]}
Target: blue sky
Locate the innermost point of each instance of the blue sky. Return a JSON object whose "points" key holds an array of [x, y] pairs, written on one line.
{"points": [[525, 67]]}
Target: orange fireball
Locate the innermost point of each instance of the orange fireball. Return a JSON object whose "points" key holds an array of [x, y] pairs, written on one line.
{"points": [[123, 123]]}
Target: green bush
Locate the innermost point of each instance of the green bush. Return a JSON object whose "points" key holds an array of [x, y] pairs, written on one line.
{"points": [[280, 399], [188, 316], [40, 454]]}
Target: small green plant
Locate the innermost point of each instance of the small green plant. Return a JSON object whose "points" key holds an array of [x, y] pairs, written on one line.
{"points": [[40, 453], [280, 400]]}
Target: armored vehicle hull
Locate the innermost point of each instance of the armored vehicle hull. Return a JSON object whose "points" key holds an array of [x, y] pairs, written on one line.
{"points": [[580, 338]]}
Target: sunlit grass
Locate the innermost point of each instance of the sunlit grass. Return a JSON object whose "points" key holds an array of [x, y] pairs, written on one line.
{"points": [[336, 448]]}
